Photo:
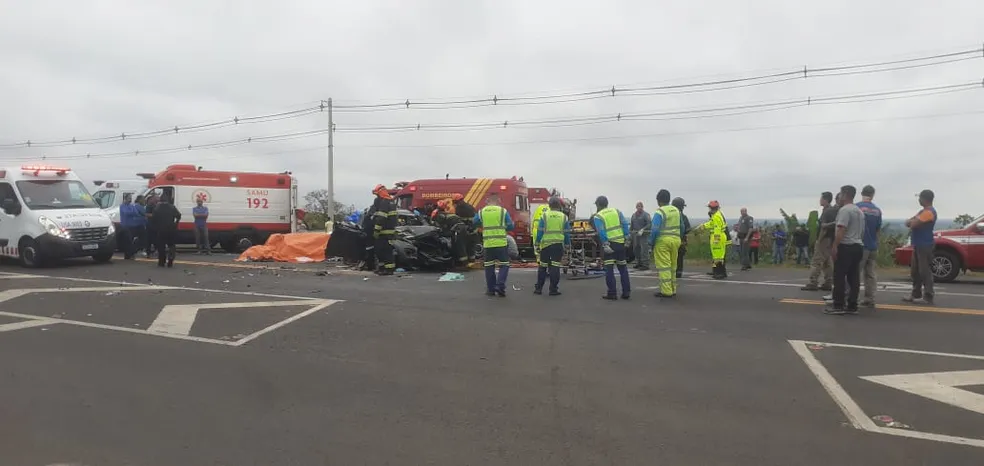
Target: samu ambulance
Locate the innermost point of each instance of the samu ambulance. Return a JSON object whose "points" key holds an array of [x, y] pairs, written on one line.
{"points": [[46, 213]]}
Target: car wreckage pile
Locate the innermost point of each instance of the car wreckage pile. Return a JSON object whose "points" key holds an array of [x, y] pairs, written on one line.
{"points": [[418, 245]]}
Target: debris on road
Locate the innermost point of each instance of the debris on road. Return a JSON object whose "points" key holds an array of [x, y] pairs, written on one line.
{"points": [[322, 273], [113, 293], [516, 288], [816, 347], [889, 421], [451, 277]]}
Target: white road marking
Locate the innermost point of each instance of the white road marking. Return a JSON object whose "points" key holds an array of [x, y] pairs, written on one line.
{"points": [[178, 318], [939, 386], [7, 295], [25, 324], [853, 411], [120, 284], [798, 285], [15, 276]]}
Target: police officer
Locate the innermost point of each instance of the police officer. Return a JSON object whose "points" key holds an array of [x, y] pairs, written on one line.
{"points": [[553, 234], [612, 229], [495, 222], [384, 229], [679, 203], [665, 241]]}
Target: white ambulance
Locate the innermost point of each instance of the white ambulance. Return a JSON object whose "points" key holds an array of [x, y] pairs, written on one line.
{"points": [[244, 208], [109, 194], [46, 213]]}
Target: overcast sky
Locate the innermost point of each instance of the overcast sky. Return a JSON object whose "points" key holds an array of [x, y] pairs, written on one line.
{"points": [[98, 68]]}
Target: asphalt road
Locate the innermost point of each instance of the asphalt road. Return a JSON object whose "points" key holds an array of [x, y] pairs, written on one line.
{"points": [[128, 364]]}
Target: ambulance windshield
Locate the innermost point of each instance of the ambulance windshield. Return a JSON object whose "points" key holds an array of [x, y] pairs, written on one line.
{"points": [[55, 194]]}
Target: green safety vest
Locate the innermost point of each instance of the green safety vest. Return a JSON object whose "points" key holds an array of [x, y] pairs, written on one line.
{"points": [[555, 223], [493, 226], [671, 221], [613, 224]]}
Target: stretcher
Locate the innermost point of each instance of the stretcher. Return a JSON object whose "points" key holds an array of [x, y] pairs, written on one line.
{"points": [[584, 255]]}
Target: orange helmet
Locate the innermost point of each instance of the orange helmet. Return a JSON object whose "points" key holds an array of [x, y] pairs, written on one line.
{"points": [[442, 204], [381, 191], [457, 197], [713, 204]]}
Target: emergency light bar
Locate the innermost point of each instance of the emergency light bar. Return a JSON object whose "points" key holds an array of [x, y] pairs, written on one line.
{"points": [[37, 169]]}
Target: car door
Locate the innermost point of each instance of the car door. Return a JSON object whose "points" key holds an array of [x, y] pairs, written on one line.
{"points": [[8, 223]]}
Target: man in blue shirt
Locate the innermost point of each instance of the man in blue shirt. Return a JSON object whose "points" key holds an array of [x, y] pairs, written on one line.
{"points": [[778, 245], [495, 223], [921, 233], [872, 228], [613, 230], [200, 212], [133, 220]]}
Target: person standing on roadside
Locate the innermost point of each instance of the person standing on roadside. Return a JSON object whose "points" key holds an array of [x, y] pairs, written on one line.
{"points": [[495, 223], [872, 229], [200, 213], [821, 249], [552, 236], [921, 231], [152, 201], [754, 244], [612, 229], [847, 251], [746, 225], [778, 245], [165, 221], [640, 225], [801, 239], [130, 221], [679, 203]]}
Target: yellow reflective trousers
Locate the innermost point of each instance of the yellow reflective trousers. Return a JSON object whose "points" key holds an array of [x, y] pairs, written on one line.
{"points": [[665, 259]]}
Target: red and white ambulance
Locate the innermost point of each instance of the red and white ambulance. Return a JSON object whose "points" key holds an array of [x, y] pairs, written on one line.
{"points": [[244, 208]]}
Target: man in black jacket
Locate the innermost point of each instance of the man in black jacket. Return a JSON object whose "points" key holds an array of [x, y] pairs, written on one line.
{"points": [[679, 203], [165, 222]]}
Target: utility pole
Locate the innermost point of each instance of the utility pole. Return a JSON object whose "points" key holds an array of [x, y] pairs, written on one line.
{"points": [[329, 223]]}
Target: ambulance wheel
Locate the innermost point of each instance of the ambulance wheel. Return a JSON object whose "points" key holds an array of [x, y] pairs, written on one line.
{"points": [[30, 254], [103, 258], [243, 243]]}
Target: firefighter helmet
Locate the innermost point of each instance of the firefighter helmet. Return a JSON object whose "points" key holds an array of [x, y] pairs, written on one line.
{"points": [[378, 188], [713, 204], [457, 197]]}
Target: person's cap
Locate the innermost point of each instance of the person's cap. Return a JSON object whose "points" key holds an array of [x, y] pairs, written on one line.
{"points": [[679, 203]]}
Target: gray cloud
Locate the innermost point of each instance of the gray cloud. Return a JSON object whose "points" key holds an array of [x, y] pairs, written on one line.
{"points": [[98, 68]]}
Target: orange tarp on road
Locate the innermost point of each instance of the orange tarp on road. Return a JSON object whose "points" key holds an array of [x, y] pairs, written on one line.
{"points": [[293, 247]]}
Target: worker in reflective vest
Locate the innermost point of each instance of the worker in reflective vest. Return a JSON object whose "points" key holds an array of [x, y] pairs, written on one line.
{"points": [[535, 225], [612, 229], [553, 234], [665, 241], [717, 226], [495, 222]]}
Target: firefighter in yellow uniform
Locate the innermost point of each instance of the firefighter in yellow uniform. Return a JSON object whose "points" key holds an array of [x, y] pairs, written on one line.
{"points": [[535, 223], [718, 228], [665, 242]]}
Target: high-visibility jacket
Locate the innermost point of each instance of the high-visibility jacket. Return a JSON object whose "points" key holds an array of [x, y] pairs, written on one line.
{"points": [[611, 220], [555, 225], [666, 223], [493, 226], [537, 215], [718, 226]]}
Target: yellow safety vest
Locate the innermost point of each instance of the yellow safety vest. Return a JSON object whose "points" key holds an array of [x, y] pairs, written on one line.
{"points": [[493, 226], [671, 221], [613, 224], [555, 223]]}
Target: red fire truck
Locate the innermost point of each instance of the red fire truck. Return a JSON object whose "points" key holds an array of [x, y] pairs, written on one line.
{"points": [[512, 192], [244, 208]]}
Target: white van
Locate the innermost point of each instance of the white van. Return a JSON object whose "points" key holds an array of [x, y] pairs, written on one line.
{"points": [[110, 194], [46, 213]]}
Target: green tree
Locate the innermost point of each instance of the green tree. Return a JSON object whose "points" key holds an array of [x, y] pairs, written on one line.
{"points": [[317, 202], [963, 220]]}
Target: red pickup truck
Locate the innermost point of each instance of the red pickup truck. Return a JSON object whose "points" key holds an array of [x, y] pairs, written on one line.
{"points": [[956, 251]]}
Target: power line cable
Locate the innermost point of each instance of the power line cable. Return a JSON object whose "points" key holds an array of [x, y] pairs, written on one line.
{"points": [[530, 99], [579, 121], [682, 88]]}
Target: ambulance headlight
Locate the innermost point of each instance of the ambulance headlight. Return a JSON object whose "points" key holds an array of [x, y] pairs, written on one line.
{"points": [[111, 229], [52, 228]]}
